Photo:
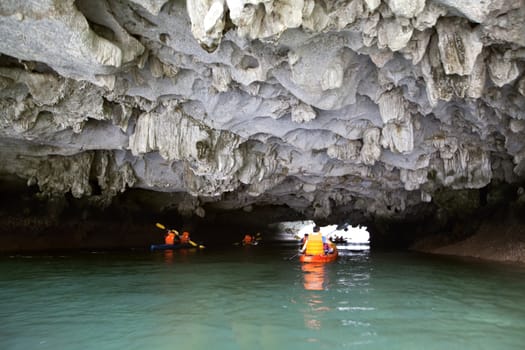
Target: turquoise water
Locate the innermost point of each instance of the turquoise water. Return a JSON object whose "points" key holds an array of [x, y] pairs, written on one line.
{"points": [[256, 298]]}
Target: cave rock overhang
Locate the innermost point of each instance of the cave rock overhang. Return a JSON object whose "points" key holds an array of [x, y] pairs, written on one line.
{"points": [[368, 108]]}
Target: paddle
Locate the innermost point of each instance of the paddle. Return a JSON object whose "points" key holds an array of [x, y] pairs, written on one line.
{"points": [[293, 256], [244, 244], [162, 227]]}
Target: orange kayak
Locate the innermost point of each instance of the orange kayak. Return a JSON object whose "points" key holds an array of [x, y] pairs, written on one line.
{"points": [[321, 258]]}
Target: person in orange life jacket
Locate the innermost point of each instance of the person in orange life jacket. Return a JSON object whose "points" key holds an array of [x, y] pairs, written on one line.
{"points": [[314, 243], [327, 246], [185, 238], [248, 239], [170, 237]]}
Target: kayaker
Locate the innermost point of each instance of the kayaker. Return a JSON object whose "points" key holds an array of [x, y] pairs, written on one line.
{"points": [[248, 239], [314, 243], [328, 247], [185, 238], [303, 242], [304, 239], [170, 236]]}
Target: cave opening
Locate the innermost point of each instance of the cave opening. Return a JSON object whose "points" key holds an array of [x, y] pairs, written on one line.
{"points": [[345, 235]]}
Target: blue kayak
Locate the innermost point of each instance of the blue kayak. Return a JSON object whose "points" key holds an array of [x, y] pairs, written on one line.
{"points": [[170, 246]]}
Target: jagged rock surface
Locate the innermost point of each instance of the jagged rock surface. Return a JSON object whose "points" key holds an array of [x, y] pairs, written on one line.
{"points": [[362, 106]]}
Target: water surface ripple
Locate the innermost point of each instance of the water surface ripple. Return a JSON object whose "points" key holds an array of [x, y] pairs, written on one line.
{"points": [[256, 298]]}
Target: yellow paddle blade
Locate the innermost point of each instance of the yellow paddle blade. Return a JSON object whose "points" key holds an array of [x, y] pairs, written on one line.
{"points": [[161, 226], [196, 245]]}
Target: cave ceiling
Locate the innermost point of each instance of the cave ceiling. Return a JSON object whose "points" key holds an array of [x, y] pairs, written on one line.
{"points": [[322, 107]]}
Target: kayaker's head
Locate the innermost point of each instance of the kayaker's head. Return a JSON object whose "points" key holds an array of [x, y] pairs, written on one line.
{"points": [[316, 229]]}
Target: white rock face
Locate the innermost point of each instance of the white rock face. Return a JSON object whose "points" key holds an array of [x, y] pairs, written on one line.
{"points": [[406, 8], [153, 6], [502, 70], [361, 106], [393, 35], [459, 47], [478, 11], [57, 34]]}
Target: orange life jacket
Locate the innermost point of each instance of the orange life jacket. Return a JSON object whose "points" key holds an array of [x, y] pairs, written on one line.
{"points": [[170, 238], [247, 239], [314, 246], [185, 239]]}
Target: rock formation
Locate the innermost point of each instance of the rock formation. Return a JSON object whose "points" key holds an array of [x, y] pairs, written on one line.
{"points": [[330, 108]]}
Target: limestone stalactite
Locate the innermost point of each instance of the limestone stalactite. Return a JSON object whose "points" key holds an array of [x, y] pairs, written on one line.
{"points": [[368, 106]]}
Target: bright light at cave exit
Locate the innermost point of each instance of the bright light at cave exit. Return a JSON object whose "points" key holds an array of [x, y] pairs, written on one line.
{"points": [[358, 235]]}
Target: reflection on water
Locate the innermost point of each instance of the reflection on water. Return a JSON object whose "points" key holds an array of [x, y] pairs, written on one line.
{"points": [[178, 255], [314, 280], [258, 299], [314, 276], [168, 256], [337, 301]]}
